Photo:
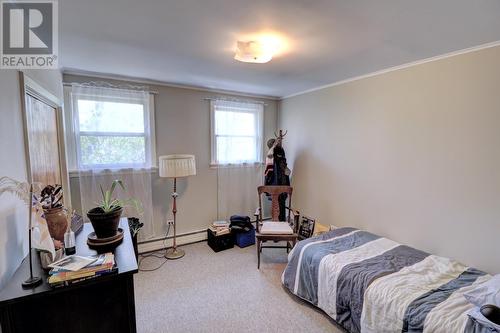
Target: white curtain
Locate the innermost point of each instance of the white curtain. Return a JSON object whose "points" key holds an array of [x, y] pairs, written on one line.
{"points": [[237, 190], [137, 184], [237, 152], [112, 135]]}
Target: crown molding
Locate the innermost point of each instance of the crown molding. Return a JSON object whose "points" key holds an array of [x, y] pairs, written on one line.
{"points": [[399, 67], [107, 76]]}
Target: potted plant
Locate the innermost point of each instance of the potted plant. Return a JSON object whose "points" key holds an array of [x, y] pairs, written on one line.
{"points": [[54, 213], [135, 225], [106, 217]]}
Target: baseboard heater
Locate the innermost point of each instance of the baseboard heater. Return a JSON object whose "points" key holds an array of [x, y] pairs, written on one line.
{"points": [[156, 244], [166, 242]]}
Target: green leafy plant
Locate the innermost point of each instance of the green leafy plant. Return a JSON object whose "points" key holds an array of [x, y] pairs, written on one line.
{"points": [[135, 225], [110, 203]]}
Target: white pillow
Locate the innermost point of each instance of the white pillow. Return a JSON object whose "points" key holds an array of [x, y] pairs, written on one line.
{"points": [[485, 293]]}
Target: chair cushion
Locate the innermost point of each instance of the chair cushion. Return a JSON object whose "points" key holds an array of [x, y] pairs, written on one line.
{"points": [[276, 228]]}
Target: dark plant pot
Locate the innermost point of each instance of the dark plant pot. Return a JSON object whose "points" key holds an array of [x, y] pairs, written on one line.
{"points": [[105, 224]]}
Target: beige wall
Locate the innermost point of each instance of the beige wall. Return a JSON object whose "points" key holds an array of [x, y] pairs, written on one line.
{"points": [[182, 119], [13, 213], [412, 154]]}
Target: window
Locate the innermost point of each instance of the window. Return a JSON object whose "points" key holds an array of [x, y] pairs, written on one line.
{"points": [[113, 131], [236, 132]]}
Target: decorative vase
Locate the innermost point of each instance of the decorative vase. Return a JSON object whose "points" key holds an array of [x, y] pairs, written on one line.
{"points": [[57, 222], [105, 224]]}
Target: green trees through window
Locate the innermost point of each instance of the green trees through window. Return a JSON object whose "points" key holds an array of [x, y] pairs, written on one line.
{"points": [[111, 133]]}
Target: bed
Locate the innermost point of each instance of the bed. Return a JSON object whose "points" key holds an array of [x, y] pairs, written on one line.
{"points": [[367, 283]]}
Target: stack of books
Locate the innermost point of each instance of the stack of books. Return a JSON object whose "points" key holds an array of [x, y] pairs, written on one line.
{"points": [[220, 228], [75, 269]]}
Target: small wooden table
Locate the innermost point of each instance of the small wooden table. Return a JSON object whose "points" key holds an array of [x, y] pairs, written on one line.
{"points": [[105, 304]]}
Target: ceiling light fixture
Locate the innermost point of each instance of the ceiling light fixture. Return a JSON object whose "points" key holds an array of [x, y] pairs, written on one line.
{"points": [[253, 51]]}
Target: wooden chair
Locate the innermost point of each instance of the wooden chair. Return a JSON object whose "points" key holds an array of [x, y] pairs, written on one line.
{"points": [[275, 230]]}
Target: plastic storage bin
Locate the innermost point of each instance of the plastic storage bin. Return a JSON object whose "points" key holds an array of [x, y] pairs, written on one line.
{"points": [[220, 243], [244, 239]]}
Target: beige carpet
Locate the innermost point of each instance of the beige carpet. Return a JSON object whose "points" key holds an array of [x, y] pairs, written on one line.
{"points": [[222, 292]]}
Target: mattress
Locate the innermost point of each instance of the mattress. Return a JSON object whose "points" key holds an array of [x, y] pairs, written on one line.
{"points": [[368, 283]]}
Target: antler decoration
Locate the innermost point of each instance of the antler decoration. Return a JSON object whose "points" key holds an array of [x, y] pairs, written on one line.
{"points": [[280, 135]]}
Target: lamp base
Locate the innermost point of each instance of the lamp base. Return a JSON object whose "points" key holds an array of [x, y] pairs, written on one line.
{"points": [[32, 282], [174, 253]]}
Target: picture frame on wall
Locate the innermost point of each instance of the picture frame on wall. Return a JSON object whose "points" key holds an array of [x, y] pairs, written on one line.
{"points": [[306, 227]]}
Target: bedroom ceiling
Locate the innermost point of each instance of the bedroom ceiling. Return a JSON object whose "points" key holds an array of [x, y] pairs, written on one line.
{"points": [[192, 42]]}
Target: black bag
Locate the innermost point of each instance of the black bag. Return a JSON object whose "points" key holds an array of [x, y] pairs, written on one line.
{"points": [[240, 223], [239, 218]]}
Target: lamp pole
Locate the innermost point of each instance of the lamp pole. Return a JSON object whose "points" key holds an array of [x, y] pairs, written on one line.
{"points": [[174, 253], [174, 212]]}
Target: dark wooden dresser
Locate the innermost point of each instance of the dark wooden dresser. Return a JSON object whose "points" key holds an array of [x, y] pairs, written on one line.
{"points": [[105, 304]]}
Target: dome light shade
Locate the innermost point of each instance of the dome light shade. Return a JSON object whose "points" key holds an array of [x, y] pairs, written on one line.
{"points": [[253, 51]]}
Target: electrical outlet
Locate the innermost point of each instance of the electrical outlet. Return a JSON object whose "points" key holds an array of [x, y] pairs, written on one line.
{"points": [[170, 222]]}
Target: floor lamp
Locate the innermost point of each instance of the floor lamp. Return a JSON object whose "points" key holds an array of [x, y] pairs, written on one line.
{"points": [[176, 166]]}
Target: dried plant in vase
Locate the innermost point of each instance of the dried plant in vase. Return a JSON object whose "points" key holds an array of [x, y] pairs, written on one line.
{"points": [[19, 189], [57, 219], [28, 193]]}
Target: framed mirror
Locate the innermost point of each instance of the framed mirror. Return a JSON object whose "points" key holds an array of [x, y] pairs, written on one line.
{"points": [[44, 136]]}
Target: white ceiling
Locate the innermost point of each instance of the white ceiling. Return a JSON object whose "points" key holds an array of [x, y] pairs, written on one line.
{"points": [[190, 42]]}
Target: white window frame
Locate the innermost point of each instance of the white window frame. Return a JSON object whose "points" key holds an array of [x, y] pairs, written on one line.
{"points": [[149, 140], [245, 107]]}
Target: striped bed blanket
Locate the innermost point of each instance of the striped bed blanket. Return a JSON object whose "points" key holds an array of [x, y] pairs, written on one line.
{"points": [[368, 283]]}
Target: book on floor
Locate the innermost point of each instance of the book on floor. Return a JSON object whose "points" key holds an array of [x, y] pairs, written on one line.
{"points": [[218, 231], [223, 224]]}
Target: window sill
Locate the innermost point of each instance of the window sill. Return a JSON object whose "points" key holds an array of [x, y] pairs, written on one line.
{"points": [[124, 171], [236, 165]]}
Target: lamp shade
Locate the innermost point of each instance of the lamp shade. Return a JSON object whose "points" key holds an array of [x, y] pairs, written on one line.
{"points": [[176, 166]]}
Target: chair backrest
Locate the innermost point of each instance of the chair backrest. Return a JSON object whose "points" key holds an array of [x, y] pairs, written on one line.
{"points": [[274, 192]]}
